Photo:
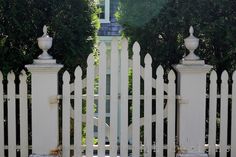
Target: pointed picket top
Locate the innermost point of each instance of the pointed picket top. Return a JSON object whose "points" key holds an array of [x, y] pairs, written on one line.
{"points": [[23, 76], [160, 71], [102, 48], [171, 76], [114, 44], [11, 76], [213, 76], [148, 59], [78, 72], [136, 48], [234, 76], [224, 76], [124, 44], [90, 60], [66, 77], [1, 76]]}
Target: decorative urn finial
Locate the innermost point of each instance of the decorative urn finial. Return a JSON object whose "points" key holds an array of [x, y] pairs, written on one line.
{"points": [[45, 43], [191, 43]]}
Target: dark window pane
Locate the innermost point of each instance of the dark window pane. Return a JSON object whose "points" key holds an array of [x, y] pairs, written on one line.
{"points": [[101, 6]]}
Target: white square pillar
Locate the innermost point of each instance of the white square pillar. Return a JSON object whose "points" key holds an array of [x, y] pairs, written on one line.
{"points": [[191, 113], [44, 85]]}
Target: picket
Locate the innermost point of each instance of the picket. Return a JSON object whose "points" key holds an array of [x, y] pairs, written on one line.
{"points": [[66, 115], [136, 102], [233, 117], [159, 111], [23, 115], [224, 114], [11, 115], [102, 100], [90, 106], [114, 98], [1, 117], [124, 100], [148, 106], [78, 113], [171, 115], [212, 114]]}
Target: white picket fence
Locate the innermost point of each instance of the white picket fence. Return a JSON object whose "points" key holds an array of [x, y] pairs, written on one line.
{"points": [[14, 131], [113, 141], [222, 126], [140, 121], [127, 142]]}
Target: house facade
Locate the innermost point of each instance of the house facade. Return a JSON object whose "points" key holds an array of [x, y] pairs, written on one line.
{"points": [[109, 26]]}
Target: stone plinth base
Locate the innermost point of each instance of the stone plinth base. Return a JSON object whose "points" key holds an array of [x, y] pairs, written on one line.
{"points": [[192, 62], [44, 61], [192, 155]]}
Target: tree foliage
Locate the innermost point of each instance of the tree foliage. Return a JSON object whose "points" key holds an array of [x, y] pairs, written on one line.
{"points": [[136, 13], [73, 24], [162, 35]]}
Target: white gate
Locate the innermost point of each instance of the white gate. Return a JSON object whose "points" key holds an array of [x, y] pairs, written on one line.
{"points": [[133, 113]]}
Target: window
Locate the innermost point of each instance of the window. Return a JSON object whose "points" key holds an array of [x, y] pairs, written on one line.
{"points": [[104, 15]]}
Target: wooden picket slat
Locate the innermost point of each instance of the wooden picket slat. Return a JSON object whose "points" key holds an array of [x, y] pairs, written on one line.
{"points": [[11, 115], [159, 111], [23, 115], [114, 98], [102, 100], [66, 115], [90, 106], [224, 114], [233, 118], [78, 113], [124, 100], [136, 102], [212, 114], [148, 106], [171, 115], [1, 117]]}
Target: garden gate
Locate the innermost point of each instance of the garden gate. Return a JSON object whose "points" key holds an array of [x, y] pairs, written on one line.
{"points": [[128, 110]]}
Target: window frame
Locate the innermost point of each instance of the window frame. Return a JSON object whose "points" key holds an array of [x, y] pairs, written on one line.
{"points": [[106, 12]]}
